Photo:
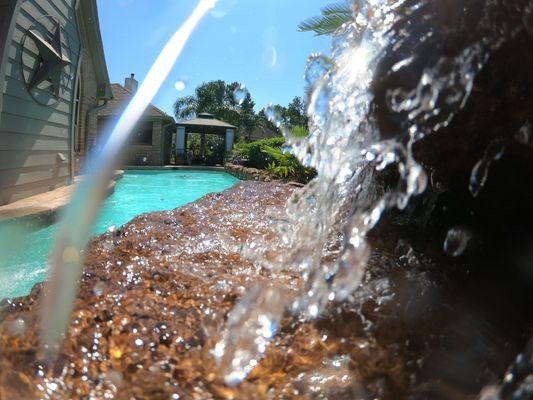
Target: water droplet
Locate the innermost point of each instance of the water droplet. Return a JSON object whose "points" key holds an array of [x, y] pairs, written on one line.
{"points": [[456, 241], [417, 180], [139, 342], [361, 20], [99, 288], [180, 85], [478, 177], [273, 115], [480, 172], [115, 378], [524, 134], [350, 269], [317, 67], [17, 327], [406, 254], [239, 94], [111, 229]]}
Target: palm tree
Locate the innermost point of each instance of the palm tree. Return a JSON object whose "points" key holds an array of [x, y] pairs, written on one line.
{"points": [[186, 107], [332, 18]]}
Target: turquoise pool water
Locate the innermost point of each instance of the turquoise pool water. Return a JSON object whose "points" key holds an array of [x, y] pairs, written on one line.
{"points": [[23, 255]]}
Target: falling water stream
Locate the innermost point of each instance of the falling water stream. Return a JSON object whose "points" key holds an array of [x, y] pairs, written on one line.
{"points": [[322, 235], [66, 258]]}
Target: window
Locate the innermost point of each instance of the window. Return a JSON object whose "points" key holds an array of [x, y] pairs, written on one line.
{"points": [[143, 134]]}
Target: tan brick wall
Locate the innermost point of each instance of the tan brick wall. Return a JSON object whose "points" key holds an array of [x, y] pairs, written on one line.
{"points": [[134, 154]]}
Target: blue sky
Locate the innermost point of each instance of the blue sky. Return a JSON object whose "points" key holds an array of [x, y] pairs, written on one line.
{"points": [[254, 42]]}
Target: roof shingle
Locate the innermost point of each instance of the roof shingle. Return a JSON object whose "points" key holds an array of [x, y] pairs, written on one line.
{"points": [[121, 97]]}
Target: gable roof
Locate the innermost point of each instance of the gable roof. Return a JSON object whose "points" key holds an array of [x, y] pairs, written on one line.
{"points": [[205, 119], [121, 97]]}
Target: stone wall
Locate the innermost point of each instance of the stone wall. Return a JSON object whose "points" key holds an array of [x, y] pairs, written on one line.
{"points": [[248, 174]]}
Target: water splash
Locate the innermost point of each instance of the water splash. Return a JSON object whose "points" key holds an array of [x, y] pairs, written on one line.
{"points": [[480, 172], [252, 324], [66, 258], [323, 233]]}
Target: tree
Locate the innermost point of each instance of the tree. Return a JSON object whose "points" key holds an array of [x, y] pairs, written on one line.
{"points": [[332, 18], [217, 98], [295, 113], [292, 115]]}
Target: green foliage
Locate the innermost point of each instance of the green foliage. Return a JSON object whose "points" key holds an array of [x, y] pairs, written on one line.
{"points": [[332, 18], [295, 114], [286, 165], [214, 149], [300, 131], [269, 154], [292, 115], [251, 154], [216, 97]]}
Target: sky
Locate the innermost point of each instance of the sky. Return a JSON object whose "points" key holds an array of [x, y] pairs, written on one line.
{"points": [[254, 42]]}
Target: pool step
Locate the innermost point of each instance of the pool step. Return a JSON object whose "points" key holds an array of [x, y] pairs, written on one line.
{"points": [[46, 206]]}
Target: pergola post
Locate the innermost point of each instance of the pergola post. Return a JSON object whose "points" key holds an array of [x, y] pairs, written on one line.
{"points": [[202, 146], [180, 141], [205, 124], [230, 138]]}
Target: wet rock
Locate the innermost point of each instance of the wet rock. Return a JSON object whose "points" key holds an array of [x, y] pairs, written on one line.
{"points": [[488, 42], [248, 174], [172, 278]]}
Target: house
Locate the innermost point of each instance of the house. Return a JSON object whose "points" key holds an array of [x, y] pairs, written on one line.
{"points": [[262, 132], [53, 79], [151, 141]]}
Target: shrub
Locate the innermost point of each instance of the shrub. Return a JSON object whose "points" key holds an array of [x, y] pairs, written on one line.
{"points": [[286, 165], [251, 154]]}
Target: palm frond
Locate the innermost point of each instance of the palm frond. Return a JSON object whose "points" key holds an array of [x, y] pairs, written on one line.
{"points": [[185, 107], [338, 9], [332, 18]]}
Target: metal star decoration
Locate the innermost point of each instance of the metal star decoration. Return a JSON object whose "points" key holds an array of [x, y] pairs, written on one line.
{"points": [[52, 60]]}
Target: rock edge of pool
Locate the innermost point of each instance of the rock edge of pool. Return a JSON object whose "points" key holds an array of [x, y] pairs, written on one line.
{"points": [[155, 294]]}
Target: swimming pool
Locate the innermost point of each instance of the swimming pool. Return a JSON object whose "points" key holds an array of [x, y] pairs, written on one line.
{"points": [[23, 257]]}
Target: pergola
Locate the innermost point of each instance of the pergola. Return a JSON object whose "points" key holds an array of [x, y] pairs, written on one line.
{"points": [[204, 124]]}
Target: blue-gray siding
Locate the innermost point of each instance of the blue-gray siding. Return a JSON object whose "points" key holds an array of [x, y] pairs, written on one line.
{"points": [[32, 135]]}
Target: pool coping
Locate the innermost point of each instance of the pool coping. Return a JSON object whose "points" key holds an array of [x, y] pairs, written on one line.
{"points": [[175, 167], [44, 208]]}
